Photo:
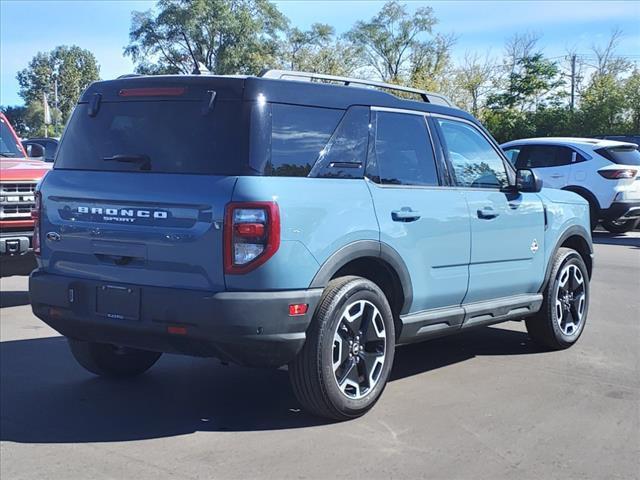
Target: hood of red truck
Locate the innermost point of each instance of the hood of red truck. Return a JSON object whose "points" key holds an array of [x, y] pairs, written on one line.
{"points": [[22, 169]]}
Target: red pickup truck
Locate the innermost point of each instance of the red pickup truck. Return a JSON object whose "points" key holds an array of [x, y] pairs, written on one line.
{"points": [[18, 178]]}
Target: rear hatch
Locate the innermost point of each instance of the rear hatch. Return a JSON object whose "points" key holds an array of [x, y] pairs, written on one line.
{"points": [[625, 159], [142, 176]]}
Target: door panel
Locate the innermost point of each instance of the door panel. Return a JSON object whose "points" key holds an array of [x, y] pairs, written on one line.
{"points": [[428, 225], [435, 246], [507, 252], [507, 229]]}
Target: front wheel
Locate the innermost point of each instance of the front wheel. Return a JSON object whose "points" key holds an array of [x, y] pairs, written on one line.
{"points": [[615, 226], [109, 360], [345, 363], [563, 315]]}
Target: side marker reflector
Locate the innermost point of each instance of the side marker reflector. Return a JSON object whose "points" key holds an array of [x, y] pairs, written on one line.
{"points": [[173, 330], [297, 309]]}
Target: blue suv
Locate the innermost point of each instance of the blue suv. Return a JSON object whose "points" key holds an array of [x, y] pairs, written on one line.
{"points": [[294, 219]]}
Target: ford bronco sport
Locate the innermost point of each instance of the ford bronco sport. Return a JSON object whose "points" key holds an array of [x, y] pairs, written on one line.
{"points": [[295, 219]]}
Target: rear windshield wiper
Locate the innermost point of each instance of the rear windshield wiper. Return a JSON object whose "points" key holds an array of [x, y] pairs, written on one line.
{"points": [[143, 160]]}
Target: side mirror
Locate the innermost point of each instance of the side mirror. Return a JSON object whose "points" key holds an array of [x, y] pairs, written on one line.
{"points": [[35, 150], [528, 181]]}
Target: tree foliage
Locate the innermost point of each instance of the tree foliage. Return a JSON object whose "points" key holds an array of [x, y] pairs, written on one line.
{"points": [[227, 36], [71, 67], [318, 50]]}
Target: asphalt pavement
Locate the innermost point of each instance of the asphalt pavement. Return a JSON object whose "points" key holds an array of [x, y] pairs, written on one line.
{"points": [[482, 404]]}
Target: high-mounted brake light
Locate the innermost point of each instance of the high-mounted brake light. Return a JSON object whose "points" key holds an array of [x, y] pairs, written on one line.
{"points": [[618, 174], [251, 235], [36, 215], [152, 92]]}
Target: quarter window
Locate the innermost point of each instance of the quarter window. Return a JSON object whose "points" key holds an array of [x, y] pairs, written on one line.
{"points": [[475, 162], [403, 150], [298, 136]]}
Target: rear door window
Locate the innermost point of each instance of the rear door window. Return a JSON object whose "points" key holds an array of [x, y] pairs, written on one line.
{"points": [[298, 134], [541, 156], [403, 152], [175, 137]]}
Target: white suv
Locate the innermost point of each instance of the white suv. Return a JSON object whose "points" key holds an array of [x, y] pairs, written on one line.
{"points": [[605, 172]]}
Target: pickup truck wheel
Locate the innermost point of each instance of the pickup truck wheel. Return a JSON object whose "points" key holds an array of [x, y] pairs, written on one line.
{"points": [[110, 360], [614, 226], [344, 365], [563, 315]]}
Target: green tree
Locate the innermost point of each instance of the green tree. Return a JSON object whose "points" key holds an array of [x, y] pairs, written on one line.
{"points": [[71, 67], [632, 100], [388, 41], [473, 80], [17, 117], [603, 104], [226, 36], [532, 78], [318, 50]]}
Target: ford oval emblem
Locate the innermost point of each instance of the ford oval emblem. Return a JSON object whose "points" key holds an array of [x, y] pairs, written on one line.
{"points": [[53, 236]]}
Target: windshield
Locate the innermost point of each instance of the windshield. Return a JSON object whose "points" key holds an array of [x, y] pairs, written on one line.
{"points": [[623, 155], [8, 147], [157, 136]]}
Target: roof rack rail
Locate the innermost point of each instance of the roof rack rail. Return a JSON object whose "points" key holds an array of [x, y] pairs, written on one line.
{"points": [[129, 75], [429, 97]]}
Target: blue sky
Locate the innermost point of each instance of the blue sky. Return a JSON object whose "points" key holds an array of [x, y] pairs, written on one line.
{"points": [[102, 26]]}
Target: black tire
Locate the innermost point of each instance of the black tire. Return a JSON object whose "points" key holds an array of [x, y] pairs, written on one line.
{"points": [[312, 373], [619, 227], [544, 327], [109, 360]]}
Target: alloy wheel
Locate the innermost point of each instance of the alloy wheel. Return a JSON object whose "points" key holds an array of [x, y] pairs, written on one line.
{"points": [[571, 299], [359, 349]]}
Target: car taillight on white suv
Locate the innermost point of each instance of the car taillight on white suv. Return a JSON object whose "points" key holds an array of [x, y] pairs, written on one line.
{"points": [[35, 215], [251, 235], [618, 173]]}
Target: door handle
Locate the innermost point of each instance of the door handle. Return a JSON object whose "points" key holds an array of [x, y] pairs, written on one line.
{"points": [[405, 214], [487, 213], [557, 175]]}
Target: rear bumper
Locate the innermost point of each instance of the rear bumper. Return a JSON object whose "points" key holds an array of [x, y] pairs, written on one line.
{"points": [[629, 210], [247, 328], [15, 243]]}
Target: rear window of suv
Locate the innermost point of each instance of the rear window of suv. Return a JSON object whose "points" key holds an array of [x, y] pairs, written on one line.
{"points": [[623, 155], [157, 136]]}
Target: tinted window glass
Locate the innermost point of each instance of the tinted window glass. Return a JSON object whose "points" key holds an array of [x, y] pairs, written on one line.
{"points": [[475, 162], [8, 147], [298, 136], [403, 150], [621, 155], [345, 154], [175, 137], [512, 154], [540, 156]]}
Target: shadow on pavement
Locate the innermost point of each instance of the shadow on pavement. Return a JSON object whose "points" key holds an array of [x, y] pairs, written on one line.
{"points": [[47, 398], [602, 238], [12, 298], [18, 265]]}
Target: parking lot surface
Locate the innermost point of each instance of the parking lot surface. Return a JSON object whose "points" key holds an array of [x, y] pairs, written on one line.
{"points": [[483, 404]]}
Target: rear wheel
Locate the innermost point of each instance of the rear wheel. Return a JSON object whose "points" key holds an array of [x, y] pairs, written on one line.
{"points": [[109, 360], [563, 315], [344, 365], [615, 226]]}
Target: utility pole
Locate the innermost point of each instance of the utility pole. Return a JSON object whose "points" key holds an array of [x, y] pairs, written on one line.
{"points": [[573, 80]]}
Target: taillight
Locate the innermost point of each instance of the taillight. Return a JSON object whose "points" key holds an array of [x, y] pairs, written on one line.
{"points": [[35, 215], [618, 173], [251, 235]]}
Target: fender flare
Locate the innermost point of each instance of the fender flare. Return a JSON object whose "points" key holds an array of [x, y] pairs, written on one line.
{"points": [[574, 230], [586, 194], [362, 249]]}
